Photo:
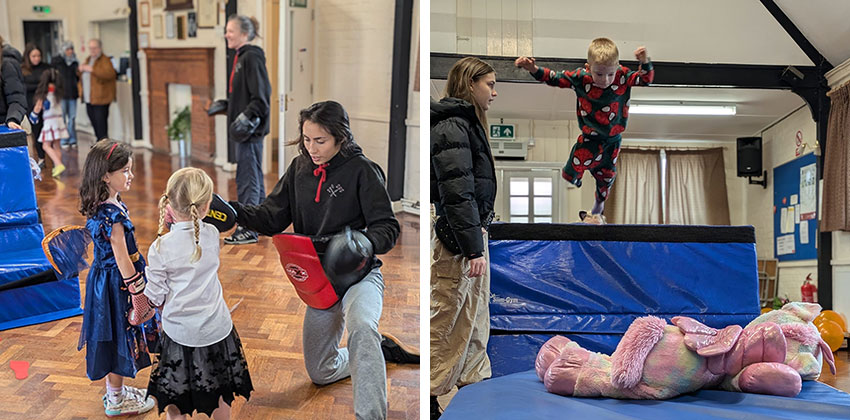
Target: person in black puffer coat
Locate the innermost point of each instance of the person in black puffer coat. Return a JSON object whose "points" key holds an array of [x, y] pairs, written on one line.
{"points": [[463, 190], [13, 99], [32, 69]]}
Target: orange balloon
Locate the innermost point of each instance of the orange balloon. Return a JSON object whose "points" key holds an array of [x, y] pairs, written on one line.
{"points": [[831, 316], [766, 309], [832, 334]]}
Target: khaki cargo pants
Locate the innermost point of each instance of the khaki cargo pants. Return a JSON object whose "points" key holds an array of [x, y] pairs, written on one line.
{"points": [[460, 320]]}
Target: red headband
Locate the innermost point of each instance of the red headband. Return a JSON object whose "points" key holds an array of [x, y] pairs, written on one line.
{"points": [[110, 150]]}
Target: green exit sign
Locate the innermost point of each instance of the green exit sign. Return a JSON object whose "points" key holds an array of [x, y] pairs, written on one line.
{"points": [[41, 9], [503, 131]]}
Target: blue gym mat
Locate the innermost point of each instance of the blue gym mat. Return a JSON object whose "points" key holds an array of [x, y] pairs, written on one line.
{"points": [[522, 396], [590, 282]]}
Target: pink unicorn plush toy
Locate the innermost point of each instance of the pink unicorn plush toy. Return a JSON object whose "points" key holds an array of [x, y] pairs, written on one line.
{"points": [[654, 360]]}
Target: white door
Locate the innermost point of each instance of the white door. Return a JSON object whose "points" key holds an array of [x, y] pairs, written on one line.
{"points": [[297, 65]]}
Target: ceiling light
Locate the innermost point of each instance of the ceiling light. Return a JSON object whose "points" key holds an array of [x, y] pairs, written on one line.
{"points": [[682, 108]]}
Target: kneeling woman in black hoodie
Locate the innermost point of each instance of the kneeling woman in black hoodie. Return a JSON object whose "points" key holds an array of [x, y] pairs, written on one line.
{"points": [[326, 188]]}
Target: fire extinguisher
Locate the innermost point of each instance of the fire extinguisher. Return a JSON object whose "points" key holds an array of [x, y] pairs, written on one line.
{"points": [[808, 289]]}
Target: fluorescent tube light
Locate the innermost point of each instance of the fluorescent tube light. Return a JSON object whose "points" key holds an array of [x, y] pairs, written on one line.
{"points": [[682, 109]]}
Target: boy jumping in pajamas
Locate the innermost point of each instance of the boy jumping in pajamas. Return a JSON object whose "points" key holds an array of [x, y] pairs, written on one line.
{"points": [[603, 88]]}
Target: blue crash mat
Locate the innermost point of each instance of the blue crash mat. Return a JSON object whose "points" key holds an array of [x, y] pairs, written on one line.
{"points": [[522, 396], [21, 254], [590, 283]]}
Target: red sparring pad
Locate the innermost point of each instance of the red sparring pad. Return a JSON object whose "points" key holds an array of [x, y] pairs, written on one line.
{"points": [[21, 368], [304, 269]]}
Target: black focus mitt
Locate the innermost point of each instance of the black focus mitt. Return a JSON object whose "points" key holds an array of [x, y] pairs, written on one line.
{"points": [[243, 127], [218, 107], [348, 258], [221, 214]]}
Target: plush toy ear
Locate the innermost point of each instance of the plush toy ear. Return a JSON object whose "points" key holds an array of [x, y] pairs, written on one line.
{"points": [[827, 355], [704, 340], [805, 311]]}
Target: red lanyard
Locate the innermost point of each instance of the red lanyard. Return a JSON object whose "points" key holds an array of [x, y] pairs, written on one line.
{"points": [[232, 72]]}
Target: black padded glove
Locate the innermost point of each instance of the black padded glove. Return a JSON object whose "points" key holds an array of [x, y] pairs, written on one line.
{"points": [[218, 107], [243, 127]]}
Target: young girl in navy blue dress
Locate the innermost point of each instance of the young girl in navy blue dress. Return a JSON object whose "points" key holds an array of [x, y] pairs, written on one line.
{"points": [[115, 349]]}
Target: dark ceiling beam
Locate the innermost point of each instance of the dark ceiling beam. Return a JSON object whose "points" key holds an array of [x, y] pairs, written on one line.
{"points": [[819, 104], [796, 35], [667, 73]]}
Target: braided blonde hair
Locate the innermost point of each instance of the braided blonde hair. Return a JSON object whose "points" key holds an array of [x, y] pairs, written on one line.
{"points": [[188, 191]]}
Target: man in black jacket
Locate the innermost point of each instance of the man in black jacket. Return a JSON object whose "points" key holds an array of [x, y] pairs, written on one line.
{"points": [[67, 65]]}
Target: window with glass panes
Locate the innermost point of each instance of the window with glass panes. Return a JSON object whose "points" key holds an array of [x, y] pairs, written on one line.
{"points": [[530, 197]]}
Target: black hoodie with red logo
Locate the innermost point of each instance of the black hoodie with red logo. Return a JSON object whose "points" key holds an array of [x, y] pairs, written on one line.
{"points": [[321, 200]]}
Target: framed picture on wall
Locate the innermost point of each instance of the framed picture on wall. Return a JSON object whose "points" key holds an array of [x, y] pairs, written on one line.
{"points": [[178, 4], [157, 4], [192, 19], [144, 40], [145, 14], [207, 13], [181, 27], [169, 25], [157, 26]]}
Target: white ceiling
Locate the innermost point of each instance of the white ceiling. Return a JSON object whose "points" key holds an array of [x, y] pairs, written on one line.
{"points": [[756, 109], [720, 31]]}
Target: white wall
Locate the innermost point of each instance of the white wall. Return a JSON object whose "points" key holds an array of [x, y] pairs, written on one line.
{"points": [[779, 147], [564, 28], [353, 44], [553, 141]]}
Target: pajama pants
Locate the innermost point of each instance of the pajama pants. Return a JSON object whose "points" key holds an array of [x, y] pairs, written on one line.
{"points": [[597, 155]]}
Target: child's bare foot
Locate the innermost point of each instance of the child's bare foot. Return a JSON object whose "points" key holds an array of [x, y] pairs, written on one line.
{"points": [[598, 208]]}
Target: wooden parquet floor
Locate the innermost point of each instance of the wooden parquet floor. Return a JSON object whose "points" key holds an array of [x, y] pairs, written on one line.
{"points": [[268, 318]]}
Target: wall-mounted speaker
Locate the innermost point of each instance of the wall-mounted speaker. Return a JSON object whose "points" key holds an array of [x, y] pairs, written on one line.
{"points": [[749, 156]]}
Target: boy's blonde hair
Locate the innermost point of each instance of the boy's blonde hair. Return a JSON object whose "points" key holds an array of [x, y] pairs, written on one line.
{"points": [[603, 51], [462, 75], [188, 190]]}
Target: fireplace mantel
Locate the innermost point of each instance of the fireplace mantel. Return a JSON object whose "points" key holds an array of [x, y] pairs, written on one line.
{"points": [[188, 66]]}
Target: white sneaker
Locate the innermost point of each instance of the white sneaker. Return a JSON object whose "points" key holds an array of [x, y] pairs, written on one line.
{"points": [[135, 401]]}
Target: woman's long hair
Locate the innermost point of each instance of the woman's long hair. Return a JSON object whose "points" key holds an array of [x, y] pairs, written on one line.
{"points": [[102, 159], [464, 73], [331, 116], [26, 67], [49, 76]]}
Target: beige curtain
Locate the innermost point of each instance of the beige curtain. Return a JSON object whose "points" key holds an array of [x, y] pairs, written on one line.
{"points": [[696, 188], [836, 165], [636, 194]]}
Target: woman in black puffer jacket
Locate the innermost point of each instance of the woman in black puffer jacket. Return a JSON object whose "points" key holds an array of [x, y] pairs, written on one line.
{"points": [[463, 190], [32, 69], [13, 100]]}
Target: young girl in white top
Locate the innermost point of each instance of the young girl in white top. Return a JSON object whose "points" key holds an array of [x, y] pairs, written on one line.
{"points": [[48, 107], [202, 366]]}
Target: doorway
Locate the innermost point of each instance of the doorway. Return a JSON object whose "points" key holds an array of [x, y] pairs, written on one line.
{"points": [[46, 34], [298, 74]]}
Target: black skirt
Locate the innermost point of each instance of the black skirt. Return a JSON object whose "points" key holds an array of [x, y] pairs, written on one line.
{"points": [[193, 378]]}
